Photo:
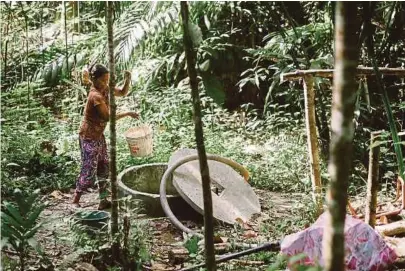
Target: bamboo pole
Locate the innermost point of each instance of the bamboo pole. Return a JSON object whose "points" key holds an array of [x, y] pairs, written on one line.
{"points": [[342, 128], [328, 73], [372, 182], [312, 140], [115, 248], [190, 54]]}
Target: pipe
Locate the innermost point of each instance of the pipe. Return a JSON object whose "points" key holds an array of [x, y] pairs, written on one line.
{"points": [[169, 172], [268, 246]]}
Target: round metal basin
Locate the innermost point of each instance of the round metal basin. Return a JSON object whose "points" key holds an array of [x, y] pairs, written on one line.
{"points": [[142, 183], [93, 220]]}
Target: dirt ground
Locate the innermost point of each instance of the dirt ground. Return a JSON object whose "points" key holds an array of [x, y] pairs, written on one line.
{"points": [[55, 235]]}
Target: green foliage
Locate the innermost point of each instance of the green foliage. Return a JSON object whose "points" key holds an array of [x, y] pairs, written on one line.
{"points": [[191, 244], [214, 88], [34, 144], [94, 245], [293, 263], [19, 224]]}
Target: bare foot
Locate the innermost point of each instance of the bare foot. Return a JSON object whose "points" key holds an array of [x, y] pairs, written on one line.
{"points": [[76, 199]]}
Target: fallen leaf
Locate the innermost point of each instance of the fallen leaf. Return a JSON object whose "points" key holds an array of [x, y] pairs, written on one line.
{"points": [[247, 226], [250, 234], [243, 224], [161, 226], [384, 220], [217, 239], [161, 267], [57, 194]]}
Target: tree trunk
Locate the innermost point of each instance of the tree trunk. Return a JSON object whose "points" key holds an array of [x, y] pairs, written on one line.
{"points": [[343, 103], [27, 56], [372, 182], [205, 176], [7, 41], [113, 164], [66, 39]]}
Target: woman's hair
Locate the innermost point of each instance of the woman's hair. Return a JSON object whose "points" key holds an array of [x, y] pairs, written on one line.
{"points": [[94, 72]]}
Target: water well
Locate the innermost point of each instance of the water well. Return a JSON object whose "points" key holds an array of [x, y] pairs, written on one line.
{"points": [[142, 182]]}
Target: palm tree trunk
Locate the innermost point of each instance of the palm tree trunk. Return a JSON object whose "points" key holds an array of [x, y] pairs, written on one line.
{"points": [[199, 135], [343, 103], [5, 47], [66, 39], [113, 164], [27, 57]]}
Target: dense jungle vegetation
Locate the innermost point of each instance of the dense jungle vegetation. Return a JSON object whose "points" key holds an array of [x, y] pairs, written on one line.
{"points": [[250, 115]]}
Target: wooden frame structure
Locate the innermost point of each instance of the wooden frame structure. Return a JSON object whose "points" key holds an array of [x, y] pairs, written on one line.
{"points": [[312, 138]]}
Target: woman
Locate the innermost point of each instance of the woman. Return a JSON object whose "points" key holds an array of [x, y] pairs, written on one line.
{"points": [[92, 142]]}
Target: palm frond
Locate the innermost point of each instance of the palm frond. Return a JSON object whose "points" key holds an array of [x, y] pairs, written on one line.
{"points": [[316, 33], [133, 30]]}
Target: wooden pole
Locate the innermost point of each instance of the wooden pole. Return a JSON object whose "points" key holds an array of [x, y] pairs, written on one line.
{"points": [[342, 128], [190, 53], [312, 140], [372, 182], [328, 73], [115, 248]]}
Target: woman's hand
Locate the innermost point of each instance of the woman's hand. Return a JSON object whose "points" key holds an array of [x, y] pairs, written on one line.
{"points": [[127, 75], [133, 115], [123, 91]]}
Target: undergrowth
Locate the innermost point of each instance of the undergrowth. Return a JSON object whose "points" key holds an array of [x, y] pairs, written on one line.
{"points": [[40, 149]]}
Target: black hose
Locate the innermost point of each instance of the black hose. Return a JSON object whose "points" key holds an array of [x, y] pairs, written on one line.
{"points": [[268, 246]]}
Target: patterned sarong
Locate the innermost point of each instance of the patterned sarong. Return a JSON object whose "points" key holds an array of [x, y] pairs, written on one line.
{"points": [[94, 164]]}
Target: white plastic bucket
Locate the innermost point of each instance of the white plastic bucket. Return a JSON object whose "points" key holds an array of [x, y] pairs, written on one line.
{"points": [[140, 140]]}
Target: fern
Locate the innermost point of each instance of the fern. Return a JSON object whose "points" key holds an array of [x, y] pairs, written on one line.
{"points": [[19, 224]]}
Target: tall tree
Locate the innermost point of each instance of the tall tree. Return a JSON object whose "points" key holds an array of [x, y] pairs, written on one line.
{"points": [[113, 134], [66, 38], [343, 104], [199, 135], [27, 55]]}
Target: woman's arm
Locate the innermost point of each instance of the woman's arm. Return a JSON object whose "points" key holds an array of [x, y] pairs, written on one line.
{"points": [[124, 90], [104, 113]]}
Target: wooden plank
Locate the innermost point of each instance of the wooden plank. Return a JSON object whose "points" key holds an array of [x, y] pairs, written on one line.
{"points": [[328, 73]]}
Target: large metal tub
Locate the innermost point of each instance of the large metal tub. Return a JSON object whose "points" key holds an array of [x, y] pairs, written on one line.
{"points": [[142, 183]]}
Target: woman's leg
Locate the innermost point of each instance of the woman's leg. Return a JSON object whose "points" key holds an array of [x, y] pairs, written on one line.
{"points": [[89, 153], [103, 171]]}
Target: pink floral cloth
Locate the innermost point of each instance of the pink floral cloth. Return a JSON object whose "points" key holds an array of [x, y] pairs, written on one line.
{"points": [[365, 249]]}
